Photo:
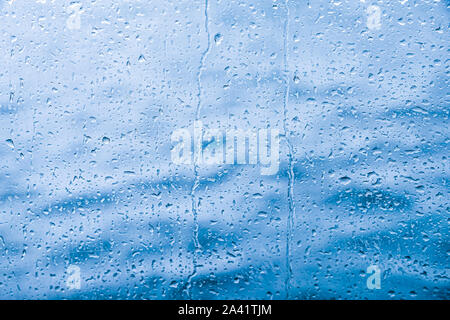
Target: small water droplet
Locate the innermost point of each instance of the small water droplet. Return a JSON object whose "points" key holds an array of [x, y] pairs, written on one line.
{"points": [[345, 180], [218, 38], [10, 143]]}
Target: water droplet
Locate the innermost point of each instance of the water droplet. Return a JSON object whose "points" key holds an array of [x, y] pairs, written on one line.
{"points": [[218, 38], [345, 180]]}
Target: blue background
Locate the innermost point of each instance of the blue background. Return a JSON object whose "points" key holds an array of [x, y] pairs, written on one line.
{"points": [[86, 177]]}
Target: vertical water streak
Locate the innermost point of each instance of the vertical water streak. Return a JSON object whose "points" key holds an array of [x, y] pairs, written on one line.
{"points": [[290, 191]]}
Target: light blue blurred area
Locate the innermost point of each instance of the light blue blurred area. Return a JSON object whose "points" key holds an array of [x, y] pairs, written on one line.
{"points": [[86, 177]]}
